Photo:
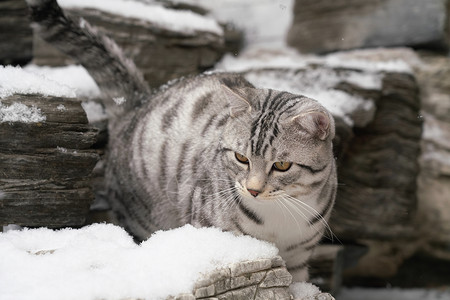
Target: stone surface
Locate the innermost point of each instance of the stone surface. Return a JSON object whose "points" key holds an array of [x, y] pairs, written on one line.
{"points": [[434, 179], [46, 166], [258, 279], [377, 194], [160, 54], [16, 36], [325, 26]]}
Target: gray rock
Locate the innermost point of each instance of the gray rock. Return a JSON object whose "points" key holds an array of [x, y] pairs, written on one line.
{"points": [[434, 178], [250, 267], [16, 35], [46, 167], [258, 279], [278, 277], [325, 26]]}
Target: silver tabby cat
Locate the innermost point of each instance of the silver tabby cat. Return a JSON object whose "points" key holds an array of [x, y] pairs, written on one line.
{"points": [[210, 150]]}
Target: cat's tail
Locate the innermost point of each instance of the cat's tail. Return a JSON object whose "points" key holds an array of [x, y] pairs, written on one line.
{"points": [[117, 77]]}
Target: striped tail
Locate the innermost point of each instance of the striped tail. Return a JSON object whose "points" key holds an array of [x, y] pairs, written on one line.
{"points": [[115, 75]]}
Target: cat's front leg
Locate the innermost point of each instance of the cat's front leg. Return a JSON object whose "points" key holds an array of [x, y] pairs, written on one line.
{"points": [[299, 275], [297, 263]]}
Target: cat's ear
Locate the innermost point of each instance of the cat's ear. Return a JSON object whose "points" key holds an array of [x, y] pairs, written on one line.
{"points": [[237, 100], [317, 123]]}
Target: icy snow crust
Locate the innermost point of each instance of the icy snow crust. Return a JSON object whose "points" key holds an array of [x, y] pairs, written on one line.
{"points": [[181, 21], [102, 262]]}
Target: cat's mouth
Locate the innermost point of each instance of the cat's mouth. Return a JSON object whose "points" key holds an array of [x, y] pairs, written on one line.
{"points": [[260, 196], [264, 196]]}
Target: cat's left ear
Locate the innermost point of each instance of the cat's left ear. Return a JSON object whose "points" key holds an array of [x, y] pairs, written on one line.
{"points": [[317, 123], [237, 100]]}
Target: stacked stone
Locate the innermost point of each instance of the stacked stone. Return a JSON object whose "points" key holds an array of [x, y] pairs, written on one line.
{"points": [[16, 37], [45, 166], [257, 279], [434, 179]]}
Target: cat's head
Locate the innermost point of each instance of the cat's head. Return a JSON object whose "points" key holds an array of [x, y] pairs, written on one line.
{"points": [[275, 143]]}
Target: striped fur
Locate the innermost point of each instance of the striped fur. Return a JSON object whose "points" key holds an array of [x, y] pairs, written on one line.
{"points": [[172, 160]]}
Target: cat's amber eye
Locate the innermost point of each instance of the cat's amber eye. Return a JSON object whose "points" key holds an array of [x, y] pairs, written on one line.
{"points": [[241, 158], [282, 166]]}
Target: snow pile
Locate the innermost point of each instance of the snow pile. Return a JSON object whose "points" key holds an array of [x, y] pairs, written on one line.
{"points": [[73, 76], [102, 261], [15, 80], [176, 20]]}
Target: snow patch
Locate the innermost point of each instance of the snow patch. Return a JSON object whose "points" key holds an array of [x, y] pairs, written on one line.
{"points": [[102, 261], [95, 112], [15, 80], [303, 290], [18, 112], [61, 107], [176, 20], [119, 100]]}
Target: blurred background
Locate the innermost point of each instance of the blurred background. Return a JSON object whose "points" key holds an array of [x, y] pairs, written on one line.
{"points": [[382, 68]]}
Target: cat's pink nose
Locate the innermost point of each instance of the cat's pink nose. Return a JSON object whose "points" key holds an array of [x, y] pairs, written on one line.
{"points": [[253, 192]]}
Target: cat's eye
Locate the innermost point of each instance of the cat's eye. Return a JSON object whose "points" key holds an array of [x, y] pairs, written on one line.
{"points": [[282, 166], [241, 158]]}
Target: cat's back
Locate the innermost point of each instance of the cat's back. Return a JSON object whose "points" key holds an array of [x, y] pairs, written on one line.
{"points": [[181, 109]]}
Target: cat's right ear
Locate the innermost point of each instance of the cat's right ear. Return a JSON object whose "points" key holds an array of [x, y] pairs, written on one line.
{"points": [[238, 103]]}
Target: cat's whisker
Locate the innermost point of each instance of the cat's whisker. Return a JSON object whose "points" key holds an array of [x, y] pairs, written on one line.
{"points": [[277, 201], [301, 212], [292, 215], [317, 215]]}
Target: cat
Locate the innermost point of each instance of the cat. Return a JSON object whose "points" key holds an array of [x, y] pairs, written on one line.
{"points": [[207, 150]]}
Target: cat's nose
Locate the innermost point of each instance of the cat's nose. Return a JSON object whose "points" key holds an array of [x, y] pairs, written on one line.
{"points": [[253, 192]]}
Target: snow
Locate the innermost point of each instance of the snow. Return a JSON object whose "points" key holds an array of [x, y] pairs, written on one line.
{"points": [[74, 76], [176, 20], [69, 81], [18, 112], [119, 100], [95, 112], [101, 261], [303, 290], [15, 80]]}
